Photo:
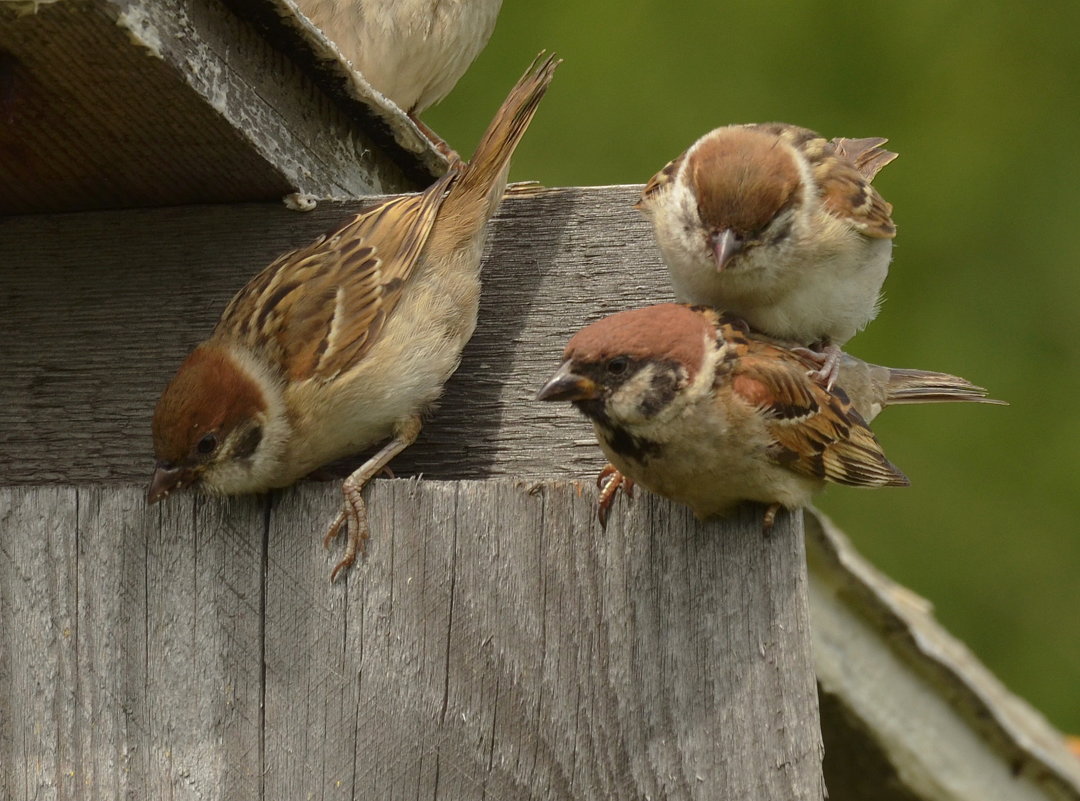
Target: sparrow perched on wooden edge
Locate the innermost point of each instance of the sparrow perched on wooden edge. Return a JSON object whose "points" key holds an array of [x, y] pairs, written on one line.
{"points": [[688, 403], [344, 343], [775, 224], [412, 51]]}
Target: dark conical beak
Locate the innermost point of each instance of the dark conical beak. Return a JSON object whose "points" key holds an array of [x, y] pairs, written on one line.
{"points": [[167, 478], [567, 385], [725, 246]]}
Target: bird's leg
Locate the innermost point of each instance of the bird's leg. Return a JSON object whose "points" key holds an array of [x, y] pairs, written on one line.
{"points": [[353, 514], [827, 356], [610, 481], [770, 517], [436, 141]]}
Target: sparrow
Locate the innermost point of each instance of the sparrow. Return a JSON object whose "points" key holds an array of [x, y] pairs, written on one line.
{"points": [[689, 403], [344, 343], [775, 224], [412, 51]]}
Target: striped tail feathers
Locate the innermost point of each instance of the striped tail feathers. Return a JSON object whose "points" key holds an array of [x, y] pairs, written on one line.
{"points": [[492, 156], [872, 388], [923, 386]]}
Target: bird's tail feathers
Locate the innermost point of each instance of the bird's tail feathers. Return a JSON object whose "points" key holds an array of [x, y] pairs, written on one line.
{"points": [[923, 386], [492, 156]]}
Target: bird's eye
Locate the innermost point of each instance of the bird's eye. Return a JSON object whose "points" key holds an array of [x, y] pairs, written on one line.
{"points": [[207, 445], [618, 365]]}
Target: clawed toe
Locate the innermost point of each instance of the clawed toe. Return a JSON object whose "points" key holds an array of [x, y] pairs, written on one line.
{"points": [[354, 522], [829, 360], [610, 481], [769, 520]]}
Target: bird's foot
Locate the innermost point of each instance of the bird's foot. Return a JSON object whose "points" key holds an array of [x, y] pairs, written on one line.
{"points": [[353, 518], [353, 515], [769, 519], [610, 481], [828, 359]]}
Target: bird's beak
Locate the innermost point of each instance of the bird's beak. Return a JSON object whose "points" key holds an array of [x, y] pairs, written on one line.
{"points": [[167, 478], [725, 245], [567, 385]]}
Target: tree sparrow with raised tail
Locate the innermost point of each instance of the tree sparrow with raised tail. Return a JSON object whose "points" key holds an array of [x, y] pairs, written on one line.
{"points": [[344, 343]]}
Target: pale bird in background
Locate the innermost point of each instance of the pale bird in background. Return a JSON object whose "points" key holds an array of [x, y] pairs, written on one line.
{"points": [[344, 343], [412, 51], [779, 226], [690, 404]]}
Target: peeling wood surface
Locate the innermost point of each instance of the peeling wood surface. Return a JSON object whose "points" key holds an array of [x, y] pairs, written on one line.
{"points": [[128, 103], [98, 310], [920, 716], [493, 644]]}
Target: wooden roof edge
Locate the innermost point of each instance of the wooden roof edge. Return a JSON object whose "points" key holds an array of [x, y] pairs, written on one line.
{"points": [[285, 26], [843, 583]]}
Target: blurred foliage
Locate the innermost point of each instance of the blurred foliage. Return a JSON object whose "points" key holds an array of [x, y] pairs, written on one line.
{"points": [[982, 101]]}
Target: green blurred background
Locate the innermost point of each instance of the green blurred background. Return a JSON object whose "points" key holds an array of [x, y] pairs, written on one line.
{"points": [[982, 101]]}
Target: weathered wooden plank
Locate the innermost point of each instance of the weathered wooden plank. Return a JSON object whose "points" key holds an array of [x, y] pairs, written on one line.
{"points": [[39, 665], [908, 712], [130, 646], [502, 646], [310, 688], [125, 103], [112, 745], [493, 644], [97, 311], [204, 629]]}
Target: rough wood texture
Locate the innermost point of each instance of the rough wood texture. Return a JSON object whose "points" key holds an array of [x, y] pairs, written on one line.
{"points": [[494, 644], [125, 103], [98, 310], [909, 712]]}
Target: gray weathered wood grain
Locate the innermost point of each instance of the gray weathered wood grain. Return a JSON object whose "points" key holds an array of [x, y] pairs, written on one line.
{"points": [[493, 644], [39, 664], [97, 311], [131, 647], [127, 103], [908, 712]]}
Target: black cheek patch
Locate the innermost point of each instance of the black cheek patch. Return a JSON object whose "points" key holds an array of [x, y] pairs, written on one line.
{"points": [[633, 448], [780, 232], [247, 445], [662, 391]]}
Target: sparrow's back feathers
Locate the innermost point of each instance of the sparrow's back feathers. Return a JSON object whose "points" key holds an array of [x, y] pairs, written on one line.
{"points": [[317, 311]]}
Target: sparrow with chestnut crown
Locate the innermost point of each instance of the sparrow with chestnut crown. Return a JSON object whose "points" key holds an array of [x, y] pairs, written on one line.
{"points": [[344, 343], [779, 226], [689, 403]]}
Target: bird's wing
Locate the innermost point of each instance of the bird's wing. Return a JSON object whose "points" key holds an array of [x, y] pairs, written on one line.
{"points": [[814, 432], [318, 310]]}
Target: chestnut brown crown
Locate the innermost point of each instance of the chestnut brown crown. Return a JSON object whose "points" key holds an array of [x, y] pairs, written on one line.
{"points": [[207, 399], [744, 178]]}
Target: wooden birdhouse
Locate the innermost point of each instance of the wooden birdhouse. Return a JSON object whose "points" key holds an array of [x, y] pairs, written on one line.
{"points": [[494, 642]]}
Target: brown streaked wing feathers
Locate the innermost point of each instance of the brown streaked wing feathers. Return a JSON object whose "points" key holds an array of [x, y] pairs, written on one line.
{"points": [[815, 432], [844, 184], [318, 310], [843, 169]]}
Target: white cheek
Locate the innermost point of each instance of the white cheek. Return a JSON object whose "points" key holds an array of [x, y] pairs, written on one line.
{"points": [[624, 406], [677, 224]]}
